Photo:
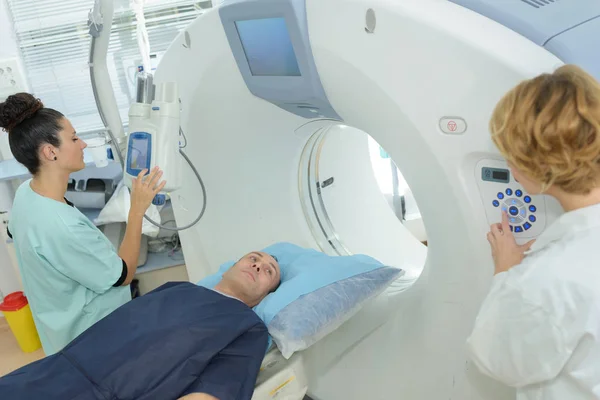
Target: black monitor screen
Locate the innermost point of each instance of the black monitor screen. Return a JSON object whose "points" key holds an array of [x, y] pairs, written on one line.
{"points": [[500, 175], [495, 175]]}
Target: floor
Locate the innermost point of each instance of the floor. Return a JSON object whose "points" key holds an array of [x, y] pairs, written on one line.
{"points": [[11, 356]]}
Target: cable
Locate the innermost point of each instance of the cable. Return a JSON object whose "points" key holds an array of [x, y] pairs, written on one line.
{"points": [[177, 229], [184, 137], [142, 33], [166, 244]]}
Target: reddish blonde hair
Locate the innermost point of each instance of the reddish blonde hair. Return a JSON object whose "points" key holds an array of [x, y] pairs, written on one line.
{"points": [[548, 127]]}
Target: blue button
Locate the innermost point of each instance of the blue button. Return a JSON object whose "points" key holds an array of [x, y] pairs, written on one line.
{"points": [[513, 202], [526, 225], [504, 208], [513, 210], [518, 229], [511, 228], [532, 208], [509, 192], [519, 193], [527, 199], [496, 203], [532, 218], [513, 220], [159, 200], [500, 196], [523, 212]]}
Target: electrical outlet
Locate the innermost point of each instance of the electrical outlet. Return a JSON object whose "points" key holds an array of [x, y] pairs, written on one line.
{"points": [[12, 78], [4, 217]]}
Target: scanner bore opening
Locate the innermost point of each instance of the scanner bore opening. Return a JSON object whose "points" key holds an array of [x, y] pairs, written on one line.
{"points": [[355, 199]]}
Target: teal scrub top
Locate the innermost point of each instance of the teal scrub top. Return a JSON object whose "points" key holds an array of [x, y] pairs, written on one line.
{"points": [[68, 267]]}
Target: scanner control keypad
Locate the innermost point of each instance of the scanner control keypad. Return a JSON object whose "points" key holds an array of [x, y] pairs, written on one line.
{"points": [[519, 208]]}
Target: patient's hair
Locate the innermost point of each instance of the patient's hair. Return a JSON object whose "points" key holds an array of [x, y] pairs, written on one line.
{"points": [[279, 284], [548, 127]]}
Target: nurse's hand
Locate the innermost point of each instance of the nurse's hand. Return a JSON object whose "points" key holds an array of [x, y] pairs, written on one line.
{"points": [[144, 188], [505, 250]]}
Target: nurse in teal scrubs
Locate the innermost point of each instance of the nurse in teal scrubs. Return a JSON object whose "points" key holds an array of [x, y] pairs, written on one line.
{"points": [[72, 275]]}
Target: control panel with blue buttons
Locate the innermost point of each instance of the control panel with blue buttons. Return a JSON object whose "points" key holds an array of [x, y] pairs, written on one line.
{"points": [[501, 192], [521, 213]]}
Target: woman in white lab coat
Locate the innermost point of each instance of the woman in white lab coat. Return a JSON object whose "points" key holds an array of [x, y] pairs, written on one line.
{"points": [[538, 330]]}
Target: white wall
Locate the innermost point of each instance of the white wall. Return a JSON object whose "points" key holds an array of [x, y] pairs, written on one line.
{"points": [[8, 44], [8, 49]]}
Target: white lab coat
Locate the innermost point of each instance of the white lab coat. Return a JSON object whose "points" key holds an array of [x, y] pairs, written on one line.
{"points": [[538, 330]]}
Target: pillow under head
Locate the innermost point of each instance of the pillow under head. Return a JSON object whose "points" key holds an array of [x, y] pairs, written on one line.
{"points": [[317, 293]]}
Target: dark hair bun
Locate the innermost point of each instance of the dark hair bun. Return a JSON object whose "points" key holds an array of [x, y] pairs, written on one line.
{"points": [[17, 108]]}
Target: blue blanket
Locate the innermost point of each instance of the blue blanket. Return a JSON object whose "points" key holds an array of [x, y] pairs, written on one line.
{"points": [[176, 340]]}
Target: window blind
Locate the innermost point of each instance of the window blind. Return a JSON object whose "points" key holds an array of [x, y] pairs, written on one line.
{"points": [[54, 42]]}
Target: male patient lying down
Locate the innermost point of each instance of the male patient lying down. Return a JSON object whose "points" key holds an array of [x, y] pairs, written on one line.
{"points": [[180, 341]]}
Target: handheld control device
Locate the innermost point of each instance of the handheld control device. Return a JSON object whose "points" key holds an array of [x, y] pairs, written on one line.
{"points": [[154, 139]]}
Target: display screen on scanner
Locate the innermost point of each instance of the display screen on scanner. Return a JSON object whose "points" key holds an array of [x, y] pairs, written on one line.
{"points": [[268, 47], [139, 153]]}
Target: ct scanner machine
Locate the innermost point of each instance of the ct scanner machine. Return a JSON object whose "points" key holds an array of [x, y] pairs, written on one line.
{"points": [[272, 95]]}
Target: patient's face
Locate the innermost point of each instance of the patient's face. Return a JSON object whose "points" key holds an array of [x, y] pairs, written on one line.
{"points": [[256, 274]]}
